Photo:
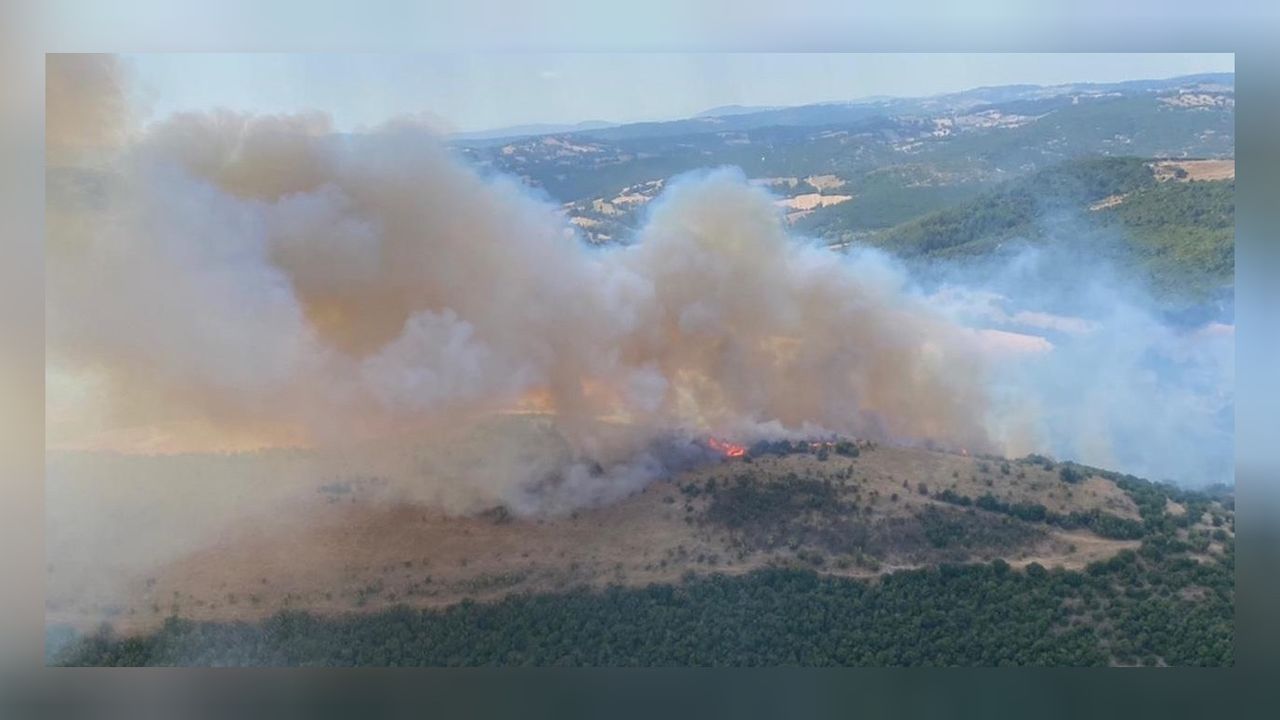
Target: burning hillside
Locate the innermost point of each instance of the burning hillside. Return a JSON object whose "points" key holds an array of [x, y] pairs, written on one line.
{"points": [[847, 508], [728, 449], [258, 276]]}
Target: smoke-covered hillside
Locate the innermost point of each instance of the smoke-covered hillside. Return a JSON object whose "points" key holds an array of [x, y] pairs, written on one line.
{"points": [[1158, 222], [294, 369], [780, 554]]}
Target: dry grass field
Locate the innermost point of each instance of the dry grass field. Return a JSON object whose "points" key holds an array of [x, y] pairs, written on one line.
{"points": [[364, 549]]}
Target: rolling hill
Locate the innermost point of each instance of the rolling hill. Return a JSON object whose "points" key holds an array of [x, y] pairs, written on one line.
{"points": [[1176, 233], [988, 165], [794, 553]]}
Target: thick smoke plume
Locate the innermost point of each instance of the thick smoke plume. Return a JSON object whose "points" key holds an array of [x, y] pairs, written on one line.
{"points": [[225, 281], [263, 277]]}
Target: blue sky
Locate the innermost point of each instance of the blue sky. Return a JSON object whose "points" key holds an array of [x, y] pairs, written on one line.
{"points": [[466, 92]]}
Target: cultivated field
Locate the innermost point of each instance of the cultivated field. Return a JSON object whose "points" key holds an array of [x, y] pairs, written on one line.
{"points": [[1190, 170]]}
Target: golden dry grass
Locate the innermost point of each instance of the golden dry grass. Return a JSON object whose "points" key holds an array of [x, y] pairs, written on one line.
{"points": [[365, 553], [1195, 169]]}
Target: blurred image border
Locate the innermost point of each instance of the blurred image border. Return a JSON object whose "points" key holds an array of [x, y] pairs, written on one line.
{"points": [[1246, 28]]}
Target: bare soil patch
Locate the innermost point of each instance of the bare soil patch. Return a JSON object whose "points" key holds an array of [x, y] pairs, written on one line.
{"points": [[1192, 170]]}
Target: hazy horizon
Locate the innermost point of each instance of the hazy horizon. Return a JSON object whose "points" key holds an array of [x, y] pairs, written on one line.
{"points": [[482, 93]]}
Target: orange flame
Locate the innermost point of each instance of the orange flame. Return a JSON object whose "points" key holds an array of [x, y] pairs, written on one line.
{"points": [[729, 449]]}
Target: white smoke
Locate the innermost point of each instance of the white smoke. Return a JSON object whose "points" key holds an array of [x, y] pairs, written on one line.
{"points": [[262, 276], [1115, 380]]}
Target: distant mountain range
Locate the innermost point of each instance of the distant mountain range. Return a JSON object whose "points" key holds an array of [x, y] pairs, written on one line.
{"points": [[955, 175], [518, 131], [728, 110], [744, 117]]}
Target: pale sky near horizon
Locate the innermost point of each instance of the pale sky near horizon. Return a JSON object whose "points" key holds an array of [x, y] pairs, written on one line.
{"points": [[484, 91]]}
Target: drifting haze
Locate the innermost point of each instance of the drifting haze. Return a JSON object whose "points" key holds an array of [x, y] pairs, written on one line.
{"points": [[1111, 382]]}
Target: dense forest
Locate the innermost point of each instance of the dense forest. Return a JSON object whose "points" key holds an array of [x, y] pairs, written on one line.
{"points": [[1145, 608], [1178, 236]]}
